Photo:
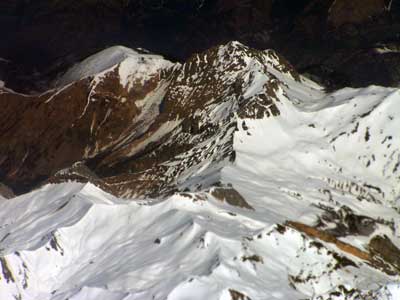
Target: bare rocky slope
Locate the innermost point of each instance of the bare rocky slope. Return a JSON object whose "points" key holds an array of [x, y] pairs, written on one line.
{"points": [[228, 176]]}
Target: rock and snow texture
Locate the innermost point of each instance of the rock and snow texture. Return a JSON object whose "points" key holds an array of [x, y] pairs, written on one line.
{"points": [[74, 241], [262, 186], [130, 60]]}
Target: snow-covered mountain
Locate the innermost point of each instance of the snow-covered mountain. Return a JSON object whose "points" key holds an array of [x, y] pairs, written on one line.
{"points": [[230, 176]]}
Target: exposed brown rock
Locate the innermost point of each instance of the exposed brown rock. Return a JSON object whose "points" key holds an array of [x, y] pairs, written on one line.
{"points": [[382, 254], [230, 196], [26, 121], [253, 258], [134, 152], [79, 172], [193, 90], [6, 192], [326, 237], [235, 295], [382, 247], [346, 222], [42, 134]]}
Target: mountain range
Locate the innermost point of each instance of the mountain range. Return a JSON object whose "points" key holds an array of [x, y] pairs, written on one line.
{"points": [[228, 176], [199, 149]]}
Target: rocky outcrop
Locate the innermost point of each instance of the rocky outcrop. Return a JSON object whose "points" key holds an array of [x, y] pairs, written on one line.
{"points": [[326, 237], [382, 253], [6, 192], [383, 248], [235, 295], [230, 196]]}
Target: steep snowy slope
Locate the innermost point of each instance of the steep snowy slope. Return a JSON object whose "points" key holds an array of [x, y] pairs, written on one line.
{"points": [[73, 241], [248, 181], [131, 60]]}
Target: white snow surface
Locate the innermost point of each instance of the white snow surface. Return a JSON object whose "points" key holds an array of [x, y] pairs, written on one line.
{"points": [[132, 64], [75, 241]]}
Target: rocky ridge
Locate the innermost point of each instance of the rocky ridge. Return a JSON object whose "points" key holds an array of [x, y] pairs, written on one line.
{"points": [[136, 126]]}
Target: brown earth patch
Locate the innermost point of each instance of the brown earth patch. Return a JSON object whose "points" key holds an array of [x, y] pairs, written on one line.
{"points": [[382, 254], [326, 237], [230, 196], [235, 295], [382, 247], [6, 192]]}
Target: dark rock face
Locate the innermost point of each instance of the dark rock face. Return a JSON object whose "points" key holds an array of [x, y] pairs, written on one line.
{"points": [[24, 159], [344, 222], [6, 192], [42, 38], [357, 11], [66, 123], [340, 50]]}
